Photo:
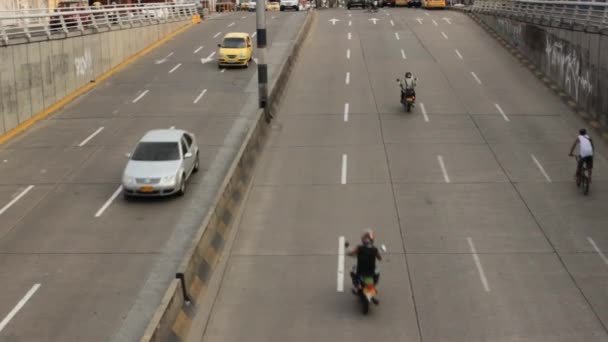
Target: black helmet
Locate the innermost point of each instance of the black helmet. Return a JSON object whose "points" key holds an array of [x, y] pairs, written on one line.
{"points": [[408, 74], [582, 131]]}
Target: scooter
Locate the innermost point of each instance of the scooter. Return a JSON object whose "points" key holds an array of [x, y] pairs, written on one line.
{"points": [[407, 98], [365, 289]]}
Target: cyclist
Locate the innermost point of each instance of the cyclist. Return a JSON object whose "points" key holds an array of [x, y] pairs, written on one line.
{"points": [[585, 152]]}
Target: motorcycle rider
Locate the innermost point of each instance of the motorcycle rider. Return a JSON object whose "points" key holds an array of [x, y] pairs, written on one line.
{"points": [[366, 254], [408, 85]]}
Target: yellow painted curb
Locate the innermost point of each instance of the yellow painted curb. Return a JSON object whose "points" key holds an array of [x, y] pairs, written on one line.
{"points": [[59, 104]]}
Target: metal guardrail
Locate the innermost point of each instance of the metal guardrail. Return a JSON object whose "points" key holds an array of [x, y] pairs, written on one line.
{"points": [[59, 22], [587, 14]]}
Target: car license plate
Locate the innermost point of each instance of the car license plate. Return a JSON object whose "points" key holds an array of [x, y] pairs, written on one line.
{"points": [[146, 189]]}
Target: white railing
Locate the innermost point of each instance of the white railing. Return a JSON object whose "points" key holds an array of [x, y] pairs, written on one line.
{"points": [[585, 13], [51, 23]]}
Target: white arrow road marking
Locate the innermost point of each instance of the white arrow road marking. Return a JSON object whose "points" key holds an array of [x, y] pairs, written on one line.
{"points": [[333, 21], [374, 20]]}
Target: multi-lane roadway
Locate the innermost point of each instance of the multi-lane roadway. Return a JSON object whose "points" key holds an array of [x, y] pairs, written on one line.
{"points": [[77, 262], [473, 193]]}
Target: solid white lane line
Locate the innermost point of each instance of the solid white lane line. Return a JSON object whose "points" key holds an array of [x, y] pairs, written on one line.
{"points": [[340, 287], [217, 34], [458, 54], [435, 23], [108, 202], [19, 306], [197, 50], [344, 168], [350, 23], [446, 177], [403, 54], [397, 35], [140, 96], [17, 198], [347, 53], [346, 107], [90, 137], [200, 96], [482, 274], [175, 68], [349, 36], [475, 77], [254, 34], [392, 23], [231, 24], [502, 112], [541, 168], [444, 35], [347, 80], [426, 117], [598, 250]]}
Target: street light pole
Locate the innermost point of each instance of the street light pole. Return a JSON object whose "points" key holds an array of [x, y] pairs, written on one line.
{"points": [[261, 45]]}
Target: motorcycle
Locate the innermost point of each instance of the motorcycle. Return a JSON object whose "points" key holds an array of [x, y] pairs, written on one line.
{"points": [[407, 97], [365, 288]]}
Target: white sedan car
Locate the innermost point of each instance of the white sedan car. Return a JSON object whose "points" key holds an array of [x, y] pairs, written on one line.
{"points": [[161, 164]]}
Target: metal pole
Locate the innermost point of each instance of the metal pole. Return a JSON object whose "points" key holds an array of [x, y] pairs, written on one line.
{"points": [[262, 67]]}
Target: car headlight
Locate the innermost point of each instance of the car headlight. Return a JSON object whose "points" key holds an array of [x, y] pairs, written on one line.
{"points": [[128, 180], [242, 55], [168, 180]]}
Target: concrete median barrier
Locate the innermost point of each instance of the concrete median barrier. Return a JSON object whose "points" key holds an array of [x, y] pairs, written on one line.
{"points": [[200, 261], [572, 61], [38, 78]]}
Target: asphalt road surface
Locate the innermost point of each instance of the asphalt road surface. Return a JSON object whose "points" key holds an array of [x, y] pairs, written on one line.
{"points": [[74, 256], [473, 193]]}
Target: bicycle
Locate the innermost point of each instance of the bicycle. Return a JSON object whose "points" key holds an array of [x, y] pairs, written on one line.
{"points": [[582, 177]]}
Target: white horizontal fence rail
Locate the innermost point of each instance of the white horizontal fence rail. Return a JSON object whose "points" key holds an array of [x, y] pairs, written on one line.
{"points": [[57, 23], [589, 14]]}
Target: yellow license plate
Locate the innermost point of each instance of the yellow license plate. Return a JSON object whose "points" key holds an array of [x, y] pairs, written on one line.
{"points": [[146, 189]]}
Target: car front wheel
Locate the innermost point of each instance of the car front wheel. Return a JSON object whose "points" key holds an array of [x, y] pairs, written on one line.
{"points": [[196, 164], [182, 186]]}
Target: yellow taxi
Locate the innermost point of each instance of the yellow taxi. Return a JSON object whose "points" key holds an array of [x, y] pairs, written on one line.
{"points": [[235, 49], [273, 6]]}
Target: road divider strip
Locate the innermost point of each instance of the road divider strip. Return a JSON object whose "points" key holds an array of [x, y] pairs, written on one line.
{"points": [[173, 317]]}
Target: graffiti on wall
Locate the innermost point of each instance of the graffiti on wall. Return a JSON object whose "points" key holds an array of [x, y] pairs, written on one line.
{"points": [[511, 29], [84, 63], [567, 62]]}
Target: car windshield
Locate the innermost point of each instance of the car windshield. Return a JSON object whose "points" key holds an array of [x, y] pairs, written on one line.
{"points": [[156, 151], [234, 43]]}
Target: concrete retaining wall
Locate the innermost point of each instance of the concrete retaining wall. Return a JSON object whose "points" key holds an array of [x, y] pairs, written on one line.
{"points": [[577, 61], [37, 75], [201, 259]]}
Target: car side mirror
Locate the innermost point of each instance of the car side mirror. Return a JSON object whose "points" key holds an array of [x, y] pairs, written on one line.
{"points": [[188, 155], [398, 80], [219, 45], [128, 155], [346, 244], [383, 247]]}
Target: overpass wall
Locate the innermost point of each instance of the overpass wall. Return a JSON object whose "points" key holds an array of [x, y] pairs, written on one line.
{"points": [[574, 59], [35, 76]]}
